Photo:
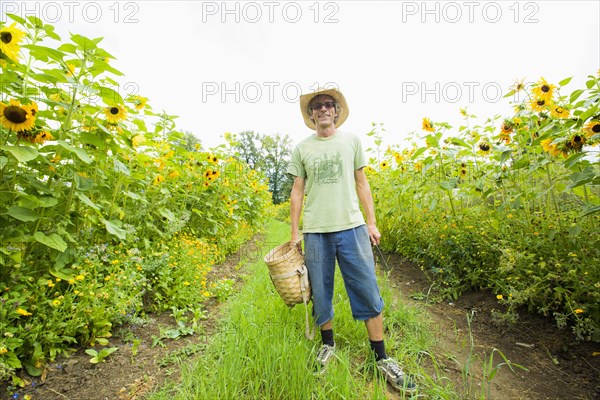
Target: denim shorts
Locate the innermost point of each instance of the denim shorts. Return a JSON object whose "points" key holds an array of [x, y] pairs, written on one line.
{"points": [[352, 250]]}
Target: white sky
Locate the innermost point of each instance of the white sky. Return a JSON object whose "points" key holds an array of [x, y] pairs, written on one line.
{"points": [[395, 61]]}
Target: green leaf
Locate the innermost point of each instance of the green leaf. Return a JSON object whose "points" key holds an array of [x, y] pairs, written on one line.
{"points": [[575, 95], [16, 18], [68, 47], [417, 153], [22, 214], [590, 211], [21, 153], [80, 153], [43, 53], [64, 274], [86, 200], [121, 168], [84, 43], [168, 214], [109, 96], [3, 161], [565, 81], [114, 229], [53, 241], [590, 83]]}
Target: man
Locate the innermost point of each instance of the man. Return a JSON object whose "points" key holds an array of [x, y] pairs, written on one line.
{"points": [[328, 167]]}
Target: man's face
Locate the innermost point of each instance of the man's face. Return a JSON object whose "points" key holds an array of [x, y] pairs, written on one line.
{"points": [[323, 110]]}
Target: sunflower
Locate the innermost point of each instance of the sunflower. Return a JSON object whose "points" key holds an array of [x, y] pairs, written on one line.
{"points": [[70, 70], [115, 114], [17, 117], [552, 149], [9, 41], [507, 127], [518, 86], [158, 179], [212, 159], [138, 140], [484, 147], [537, 104], [384, 165], [427, 125], [558, 112], [592, 128], [463, 172], [575, 142], [43, 136], [398, 157], [543, 90], [139, 102], [418, 166]]}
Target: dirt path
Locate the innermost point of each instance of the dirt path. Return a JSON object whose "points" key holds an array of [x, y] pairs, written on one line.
{"points": [[557, 367], [131, 373]]}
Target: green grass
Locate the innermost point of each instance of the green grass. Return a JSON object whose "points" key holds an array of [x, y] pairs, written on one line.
{"points": [[260, 352]]}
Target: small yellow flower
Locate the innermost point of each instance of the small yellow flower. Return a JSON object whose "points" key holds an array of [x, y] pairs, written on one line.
{"points": [[578, 311], [186, 283], [23, 312], [427, 125], [55, 303], [500, 297], [79, 277], [158, 180], [3, 350]]}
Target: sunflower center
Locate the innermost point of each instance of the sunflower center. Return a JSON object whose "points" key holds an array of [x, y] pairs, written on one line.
{"points": [[577, 139], [15, 114], [541, 102], [114, 110], [6, 37], [559, 110], [484, 146], [545, 88], [596, 128]]}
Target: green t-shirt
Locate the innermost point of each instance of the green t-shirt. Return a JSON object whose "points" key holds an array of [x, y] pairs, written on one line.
{"points": [[328, 165]]}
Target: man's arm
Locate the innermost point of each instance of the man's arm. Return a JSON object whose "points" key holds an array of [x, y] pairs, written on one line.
{"points": [[296, 200], [366, 200]]}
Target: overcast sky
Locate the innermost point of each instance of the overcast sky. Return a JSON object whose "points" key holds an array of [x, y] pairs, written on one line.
{"points": [[239, 66]]}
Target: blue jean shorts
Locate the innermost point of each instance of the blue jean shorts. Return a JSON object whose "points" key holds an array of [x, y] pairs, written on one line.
{"points": [[352, 250]]}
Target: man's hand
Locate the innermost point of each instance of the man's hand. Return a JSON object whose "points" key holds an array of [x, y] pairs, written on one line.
{"points": [[374, 234]]}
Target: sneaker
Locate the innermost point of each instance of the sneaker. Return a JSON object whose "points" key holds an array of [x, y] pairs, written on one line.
{"points": [[395, 376], [324, 356]]}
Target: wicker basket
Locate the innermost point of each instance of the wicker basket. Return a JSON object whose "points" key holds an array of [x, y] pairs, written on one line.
{"points": [[289, 274]]}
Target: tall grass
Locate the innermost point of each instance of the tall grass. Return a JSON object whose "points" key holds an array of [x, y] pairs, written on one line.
{"points": [[259, 350]]}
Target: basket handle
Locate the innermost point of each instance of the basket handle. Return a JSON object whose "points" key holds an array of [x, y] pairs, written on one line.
{"points": [[298, 244]]}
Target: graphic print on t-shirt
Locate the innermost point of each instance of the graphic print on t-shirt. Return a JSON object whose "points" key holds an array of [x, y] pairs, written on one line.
{"points": [[328, 171]]}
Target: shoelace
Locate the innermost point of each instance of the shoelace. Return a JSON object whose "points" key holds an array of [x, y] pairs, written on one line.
{"points": [[322, 351], [395, 368]]}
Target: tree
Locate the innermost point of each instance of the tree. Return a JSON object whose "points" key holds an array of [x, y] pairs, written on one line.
{"points": [[267, 154]]}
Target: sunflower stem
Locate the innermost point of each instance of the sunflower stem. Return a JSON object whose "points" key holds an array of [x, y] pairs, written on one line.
{"points": [[29, 60], [555, 203]]}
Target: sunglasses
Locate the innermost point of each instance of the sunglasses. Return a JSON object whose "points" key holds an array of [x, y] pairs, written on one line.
{"points": [[318, 106]]}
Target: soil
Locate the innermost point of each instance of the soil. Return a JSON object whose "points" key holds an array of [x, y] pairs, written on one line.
{"points": [[557, 366]]}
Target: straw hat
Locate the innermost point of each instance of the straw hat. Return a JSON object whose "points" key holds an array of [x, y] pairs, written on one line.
{"points": [[335, 94]]}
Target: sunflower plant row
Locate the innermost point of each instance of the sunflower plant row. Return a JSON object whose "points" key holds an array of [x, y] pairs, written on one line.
{"points": [[106, 210], [512, 205]]}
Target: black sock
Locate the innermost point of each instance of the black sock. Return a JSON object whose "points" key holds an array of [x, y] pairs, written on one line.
{"points": [[327, 337], [379, 349]]}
